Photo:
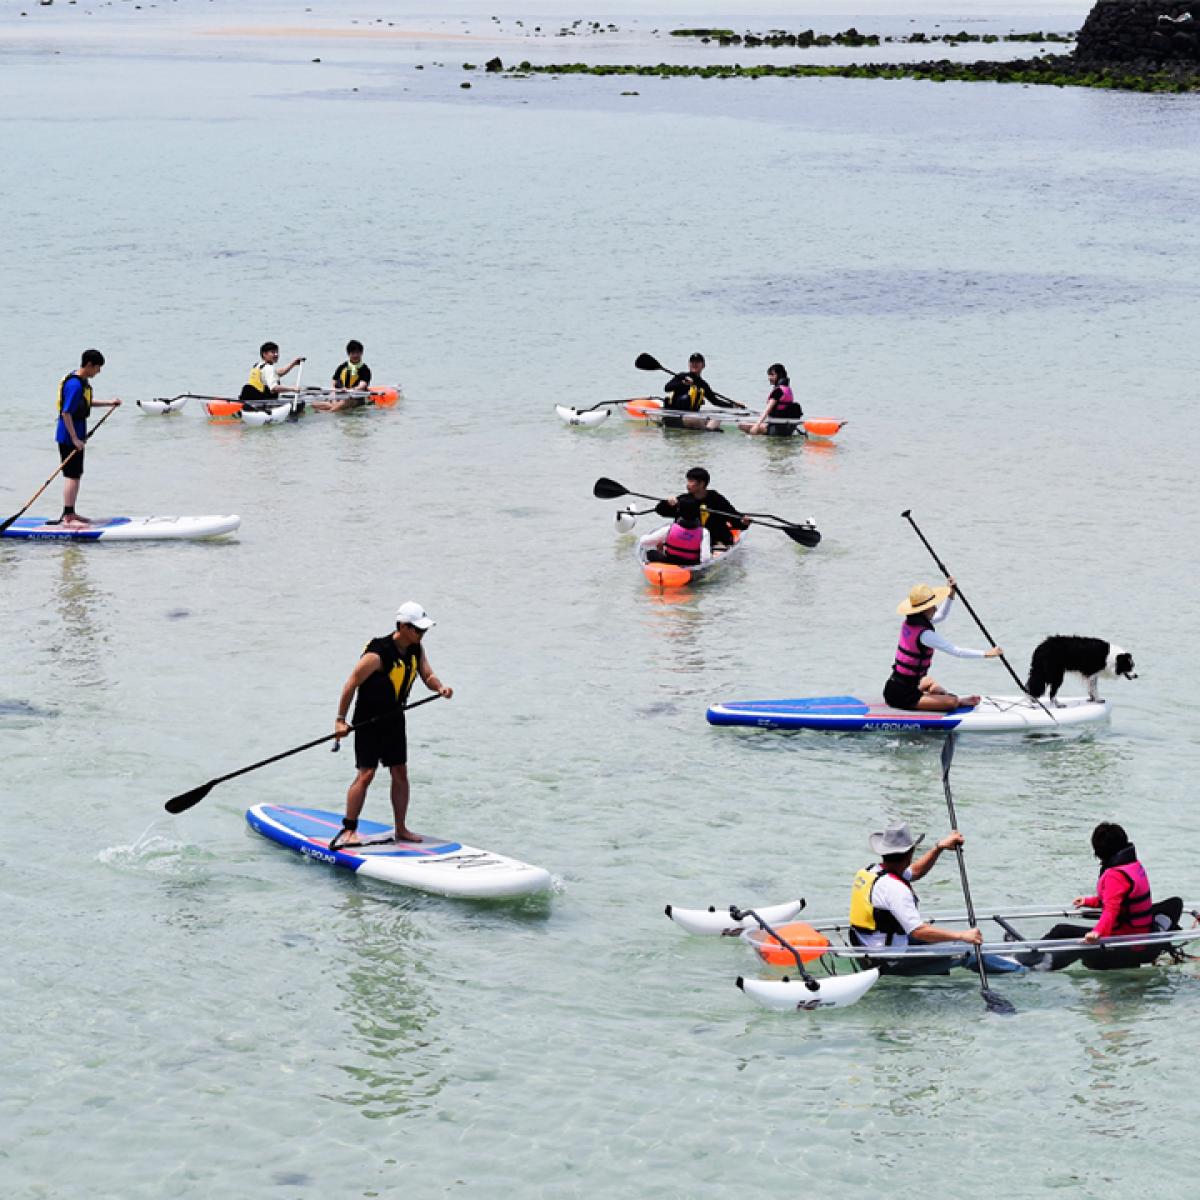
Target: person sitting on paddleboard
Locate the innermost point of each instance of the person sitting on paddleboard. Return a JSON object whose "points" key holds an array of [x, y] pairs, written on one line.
{"points": [[686, 393], [781, 404], [263, 383], [883, 906], [715, 509], [1127, 907], [685, 543], [911, 686], [352, 379], [383, 677], [75, 404]]}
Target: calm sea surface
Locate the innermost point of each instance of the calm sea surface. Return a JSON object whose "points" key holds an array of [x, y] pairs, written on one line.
{"points": [[996, 286]]}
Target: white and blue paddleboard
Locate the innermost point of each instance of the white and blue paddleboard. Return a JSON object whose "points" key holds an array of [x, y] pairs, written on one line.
{"points": [[123, 529], [852, 714], [431, 865]]}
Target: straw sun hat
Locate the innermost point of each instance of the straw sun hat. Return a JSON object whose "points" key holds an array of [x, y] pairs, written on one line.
{"points": [[920, 598]]}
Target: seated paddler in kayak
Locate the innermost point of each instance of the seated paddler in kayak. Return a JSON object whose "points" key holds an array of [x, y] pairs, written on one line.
{"points": [[1126, 907], [717, 513], [911, 686], [352, 382], [781, 405], [263, 385], [686, 393], [884, 912], [684, 543]]}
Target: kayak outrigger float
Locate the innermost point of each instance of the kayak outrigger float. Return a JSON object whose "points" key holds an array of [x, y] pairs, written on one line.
{"points": [[854, 714], [793, 946], [649, 410]]}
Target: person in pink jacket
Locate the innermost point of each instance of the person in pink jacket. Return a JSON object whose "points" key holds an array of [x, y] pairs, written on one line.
{"points": [[1126, 907]]}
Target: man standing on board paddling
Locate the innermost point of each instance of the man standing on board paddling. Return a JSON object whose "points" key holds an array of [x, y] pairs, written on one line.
{"points": [[383, 677], [264, 379], [883, 905], [719, 526], [75, 404]]}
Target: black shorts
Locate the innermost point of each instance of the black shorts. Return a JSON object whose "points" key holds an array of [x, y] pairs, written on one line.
{"points": [[900, 693], [74, 468], [383, 742]]}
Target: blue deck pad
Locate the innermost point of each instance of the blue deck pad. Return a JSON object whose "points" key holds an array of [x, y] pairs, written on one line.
{"points": [[309, 830], [40, 529]]}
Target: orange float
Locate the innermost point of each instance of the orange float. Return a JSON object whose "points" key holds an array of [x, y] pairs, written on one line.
{"points": [[385, 397], [223, 409], [803, 936], [823, 427]]}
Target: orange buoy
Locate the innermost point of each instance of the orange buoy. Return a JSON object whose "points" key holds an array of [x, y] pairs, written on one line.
{"points": [[823, 427], [218, 409], [803, 936], [667, 575], [384, 397], [643, 408]]}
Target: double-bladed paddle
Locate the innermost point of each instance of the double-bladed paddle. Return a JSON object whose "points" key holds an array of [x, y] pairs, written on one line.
{"points": [[907, 515], [802, 534], [17, 515], [995, 1002], [647, 362], [186, 800]]}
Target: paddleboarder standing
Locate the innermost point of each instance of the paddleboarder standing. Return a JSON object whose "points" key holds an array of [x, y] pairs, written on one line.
{"points": [[382, 679], [75, 404]]}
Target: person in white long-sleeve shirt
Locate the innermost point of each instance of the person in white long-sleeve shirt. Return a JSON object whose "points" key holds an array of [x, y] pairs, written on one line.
{"points": [[685, 543], [910, 685]]}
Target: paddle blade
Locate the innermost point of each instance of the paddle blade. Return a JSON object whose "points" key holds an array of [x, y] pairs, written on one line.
{"points": [[647, 362], [608, 489], [803, 535], [186, 800], [997, 1003]]}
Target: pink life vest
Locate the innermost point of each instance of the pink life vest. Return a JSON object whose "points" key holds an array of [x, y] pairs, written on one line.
{"points": [[684, 545], [1136, 914], [913, 659], [785, 403]]}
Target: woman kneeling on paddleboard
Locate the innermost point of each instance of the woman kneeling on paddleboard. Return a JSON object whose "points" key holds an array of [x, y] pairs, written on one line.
{"points": [[911, 686]]}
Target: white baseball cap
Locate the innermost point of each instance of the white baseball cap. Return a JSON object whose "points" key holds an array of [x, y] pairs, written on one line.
{"points": [[411, 613]]}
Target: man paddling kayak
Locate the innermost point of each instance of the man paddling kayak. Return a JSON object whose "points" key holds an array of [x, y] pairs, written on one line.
{"points": [[263, 383], [911, 686], [686, 393], [383, 677], [75, 404], [883, 906], [718, 523], [352, 379]]}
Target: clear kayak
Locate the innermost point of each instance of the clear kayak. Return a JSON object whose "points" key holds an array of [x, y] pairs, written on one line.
{"points": [[672, 575], [854, 714], [221, 408], [650, 409]]}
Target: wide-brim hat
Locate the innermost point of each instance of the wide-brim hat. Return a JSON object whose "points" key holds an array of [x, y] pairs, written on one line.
{"points": [[922, 597], [895, 839]]}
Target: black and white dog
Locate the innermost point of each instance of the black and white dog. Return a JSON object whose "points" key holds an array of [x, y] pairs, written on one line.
{"points": [[1086, 656]]}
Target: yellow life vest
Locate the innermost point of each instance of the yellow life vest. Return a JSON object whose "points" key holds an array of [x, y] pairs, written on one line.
{"points": [[348, 374], [256, 379], [87, 395], [864, 916]]}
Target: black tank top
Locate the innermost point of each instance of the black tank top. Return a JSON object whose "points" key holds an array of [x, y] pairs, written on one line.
{"points": [[387, 690]]}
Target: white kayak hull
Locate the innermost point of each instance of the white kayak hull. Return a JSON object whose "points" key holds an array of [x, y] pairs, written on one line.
{"points": [[854, 714], [573, 416], [437, 865], [125, 529], [716, 922]]}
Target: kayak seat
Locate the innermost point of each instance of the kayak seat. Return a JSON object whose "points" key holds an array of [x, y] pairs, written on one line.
{"points": [[1166, 913]]}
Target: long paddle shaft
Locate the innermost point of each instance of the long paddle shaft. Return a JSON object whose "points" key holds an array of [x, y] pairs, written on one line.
{"points": [[907, 515], [804, 535], [186, 800], [996, 1003], [647, 362], [52, 478]]}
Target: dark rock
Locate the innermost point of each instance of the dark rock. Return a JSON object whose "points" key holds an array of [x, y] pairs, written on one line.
{"points": [[494, 64]]}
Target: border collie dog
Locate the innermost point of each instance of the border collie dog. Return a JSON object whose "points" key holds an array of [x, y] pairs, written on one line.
{"points": [[1086, 656]]}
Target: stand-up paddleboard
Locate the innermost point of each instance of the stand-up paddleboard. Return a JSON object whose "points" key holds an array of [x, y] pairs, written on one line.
{"points": [[431, 865], [124, 529], [852, 714]]}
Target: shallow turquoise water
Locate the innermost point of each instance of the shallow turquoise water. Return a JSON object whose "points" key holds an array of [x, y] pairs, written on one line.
{"points": [[994, 285]]}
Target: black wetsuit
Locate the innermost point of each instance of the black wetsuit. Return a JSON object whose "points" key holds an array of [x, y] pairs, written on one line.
{"points": [[383, 695], [718, 527]]}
